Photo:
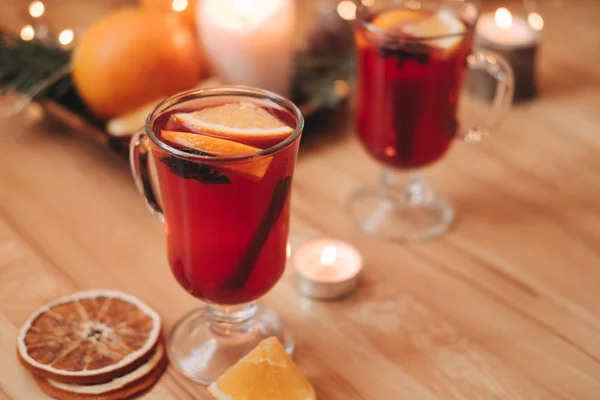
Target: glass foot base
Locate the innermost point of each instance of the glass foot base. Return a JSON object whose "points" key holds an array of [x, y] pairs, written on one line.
{"points": [[411, 212], [202, 348]]}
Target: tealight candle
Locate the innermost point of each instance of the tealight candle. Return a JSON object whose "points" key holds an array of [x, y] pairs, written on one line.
{"points": [[249, 42], [327, 268], [516, 40]]}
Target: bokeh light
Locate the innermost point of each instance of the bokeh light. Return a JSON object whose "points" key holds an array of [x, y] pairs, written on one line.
{"points": [[66, 37], [536, 21], [347, 10], [36, 9], [503, 18], [179, 5], [27, 32]]}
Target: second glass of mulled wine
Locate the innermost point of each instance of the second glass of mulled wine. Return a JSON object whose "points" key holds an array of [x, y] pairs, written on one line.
{"points": [[412, 58]]}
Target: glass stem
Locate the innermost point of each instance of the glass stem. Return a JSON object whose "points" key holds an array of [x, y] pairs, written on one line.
{"points": [[230, 320], [410, 186]]}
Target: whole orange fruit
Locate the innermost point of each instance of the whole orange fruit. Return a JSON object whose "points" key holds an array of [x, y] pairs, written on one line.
{"points": [[186, 9], [131, 57]]}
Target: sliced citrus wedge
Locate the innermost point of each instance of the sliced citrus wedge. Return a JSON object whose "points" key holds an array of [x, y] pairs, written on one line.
{"points": [[222, 147], [266, 373], [396, 19], [209, 144], [90, 337], [244, 122], [443, 24], [124, 387], [127, 124]]}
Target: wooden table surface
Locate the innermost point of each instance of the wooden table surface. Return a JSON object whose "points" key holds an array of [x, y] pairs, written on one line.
{"points": [[505, 306]]}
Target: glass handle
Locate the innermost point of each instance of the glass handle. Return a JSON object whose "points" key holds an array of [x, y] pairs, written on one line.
{"points": [[499, 69], [139, 153]]}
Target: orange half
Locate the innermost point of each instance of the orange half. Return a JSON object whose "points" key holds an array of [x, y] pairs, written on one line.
{"points": [[222, 148], [266, 373]]}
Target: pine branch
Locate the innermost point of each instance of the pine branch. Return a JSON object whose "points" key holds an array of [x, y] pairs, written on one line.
{"points": [[315, 76], [34, 68]]}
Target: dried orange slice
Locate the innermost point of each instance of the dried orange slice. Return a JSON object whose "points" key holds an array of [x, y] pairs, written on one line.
{"points": [[124, 387], [266, 373], [89, 337], [243, 122], [222, 147]]}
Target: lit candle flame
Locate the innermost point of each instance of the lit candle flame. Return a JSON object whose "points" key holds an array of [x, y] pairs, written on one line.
{"points": [[179, 5], [66, 37], [536, 21], [36, 9], [347, 10], [328, 255], [503, 18]]}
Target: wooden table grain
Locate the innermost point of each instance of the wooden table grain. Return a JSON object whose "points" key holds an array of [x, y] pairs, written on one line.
{"points": [[505, 306]]}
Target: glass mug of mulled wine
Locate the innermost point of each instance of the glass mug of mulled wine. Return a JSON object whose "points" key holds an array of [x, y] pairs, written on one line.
{"points": [[412, 58], [224, 160]]}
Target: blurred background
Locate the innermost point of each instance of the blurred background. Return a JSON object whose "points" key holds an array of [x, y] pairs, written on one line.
{"points": [[39, 39]]}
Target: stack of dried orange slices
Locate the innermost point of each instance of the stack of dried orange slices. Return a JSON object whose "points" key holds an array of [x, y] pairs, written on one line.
{"points": [[97, 344]]}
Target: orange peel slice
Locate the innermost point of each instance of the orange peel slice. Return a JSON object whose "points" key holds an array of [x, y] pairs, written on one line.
{"points": [[443, 24], [266, 373], [242, 122], [222, 147], [396, 19]]}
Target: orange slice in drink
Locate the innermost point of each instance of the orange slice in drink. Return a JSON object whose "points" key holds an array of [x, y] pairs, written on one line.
{"points": [[242, 122], [443, 24], [90, 337], [266, 373], [395, 20], [223, 148]]}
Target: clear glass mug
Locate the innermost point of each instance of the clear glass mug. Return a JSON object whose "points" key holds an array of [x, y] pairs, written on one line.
{"points": [[227, 224], [409, 84]]}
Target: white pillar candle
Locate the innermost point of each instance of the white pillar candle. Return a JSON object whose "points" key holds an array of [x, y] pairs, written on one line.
{"points": [[249, 42]]}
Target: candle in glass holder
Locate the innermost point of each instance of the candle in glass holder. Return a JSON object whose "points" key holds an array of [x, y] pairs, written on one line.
{"points": [[327, 268], [249, 42], [514, 38]]}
